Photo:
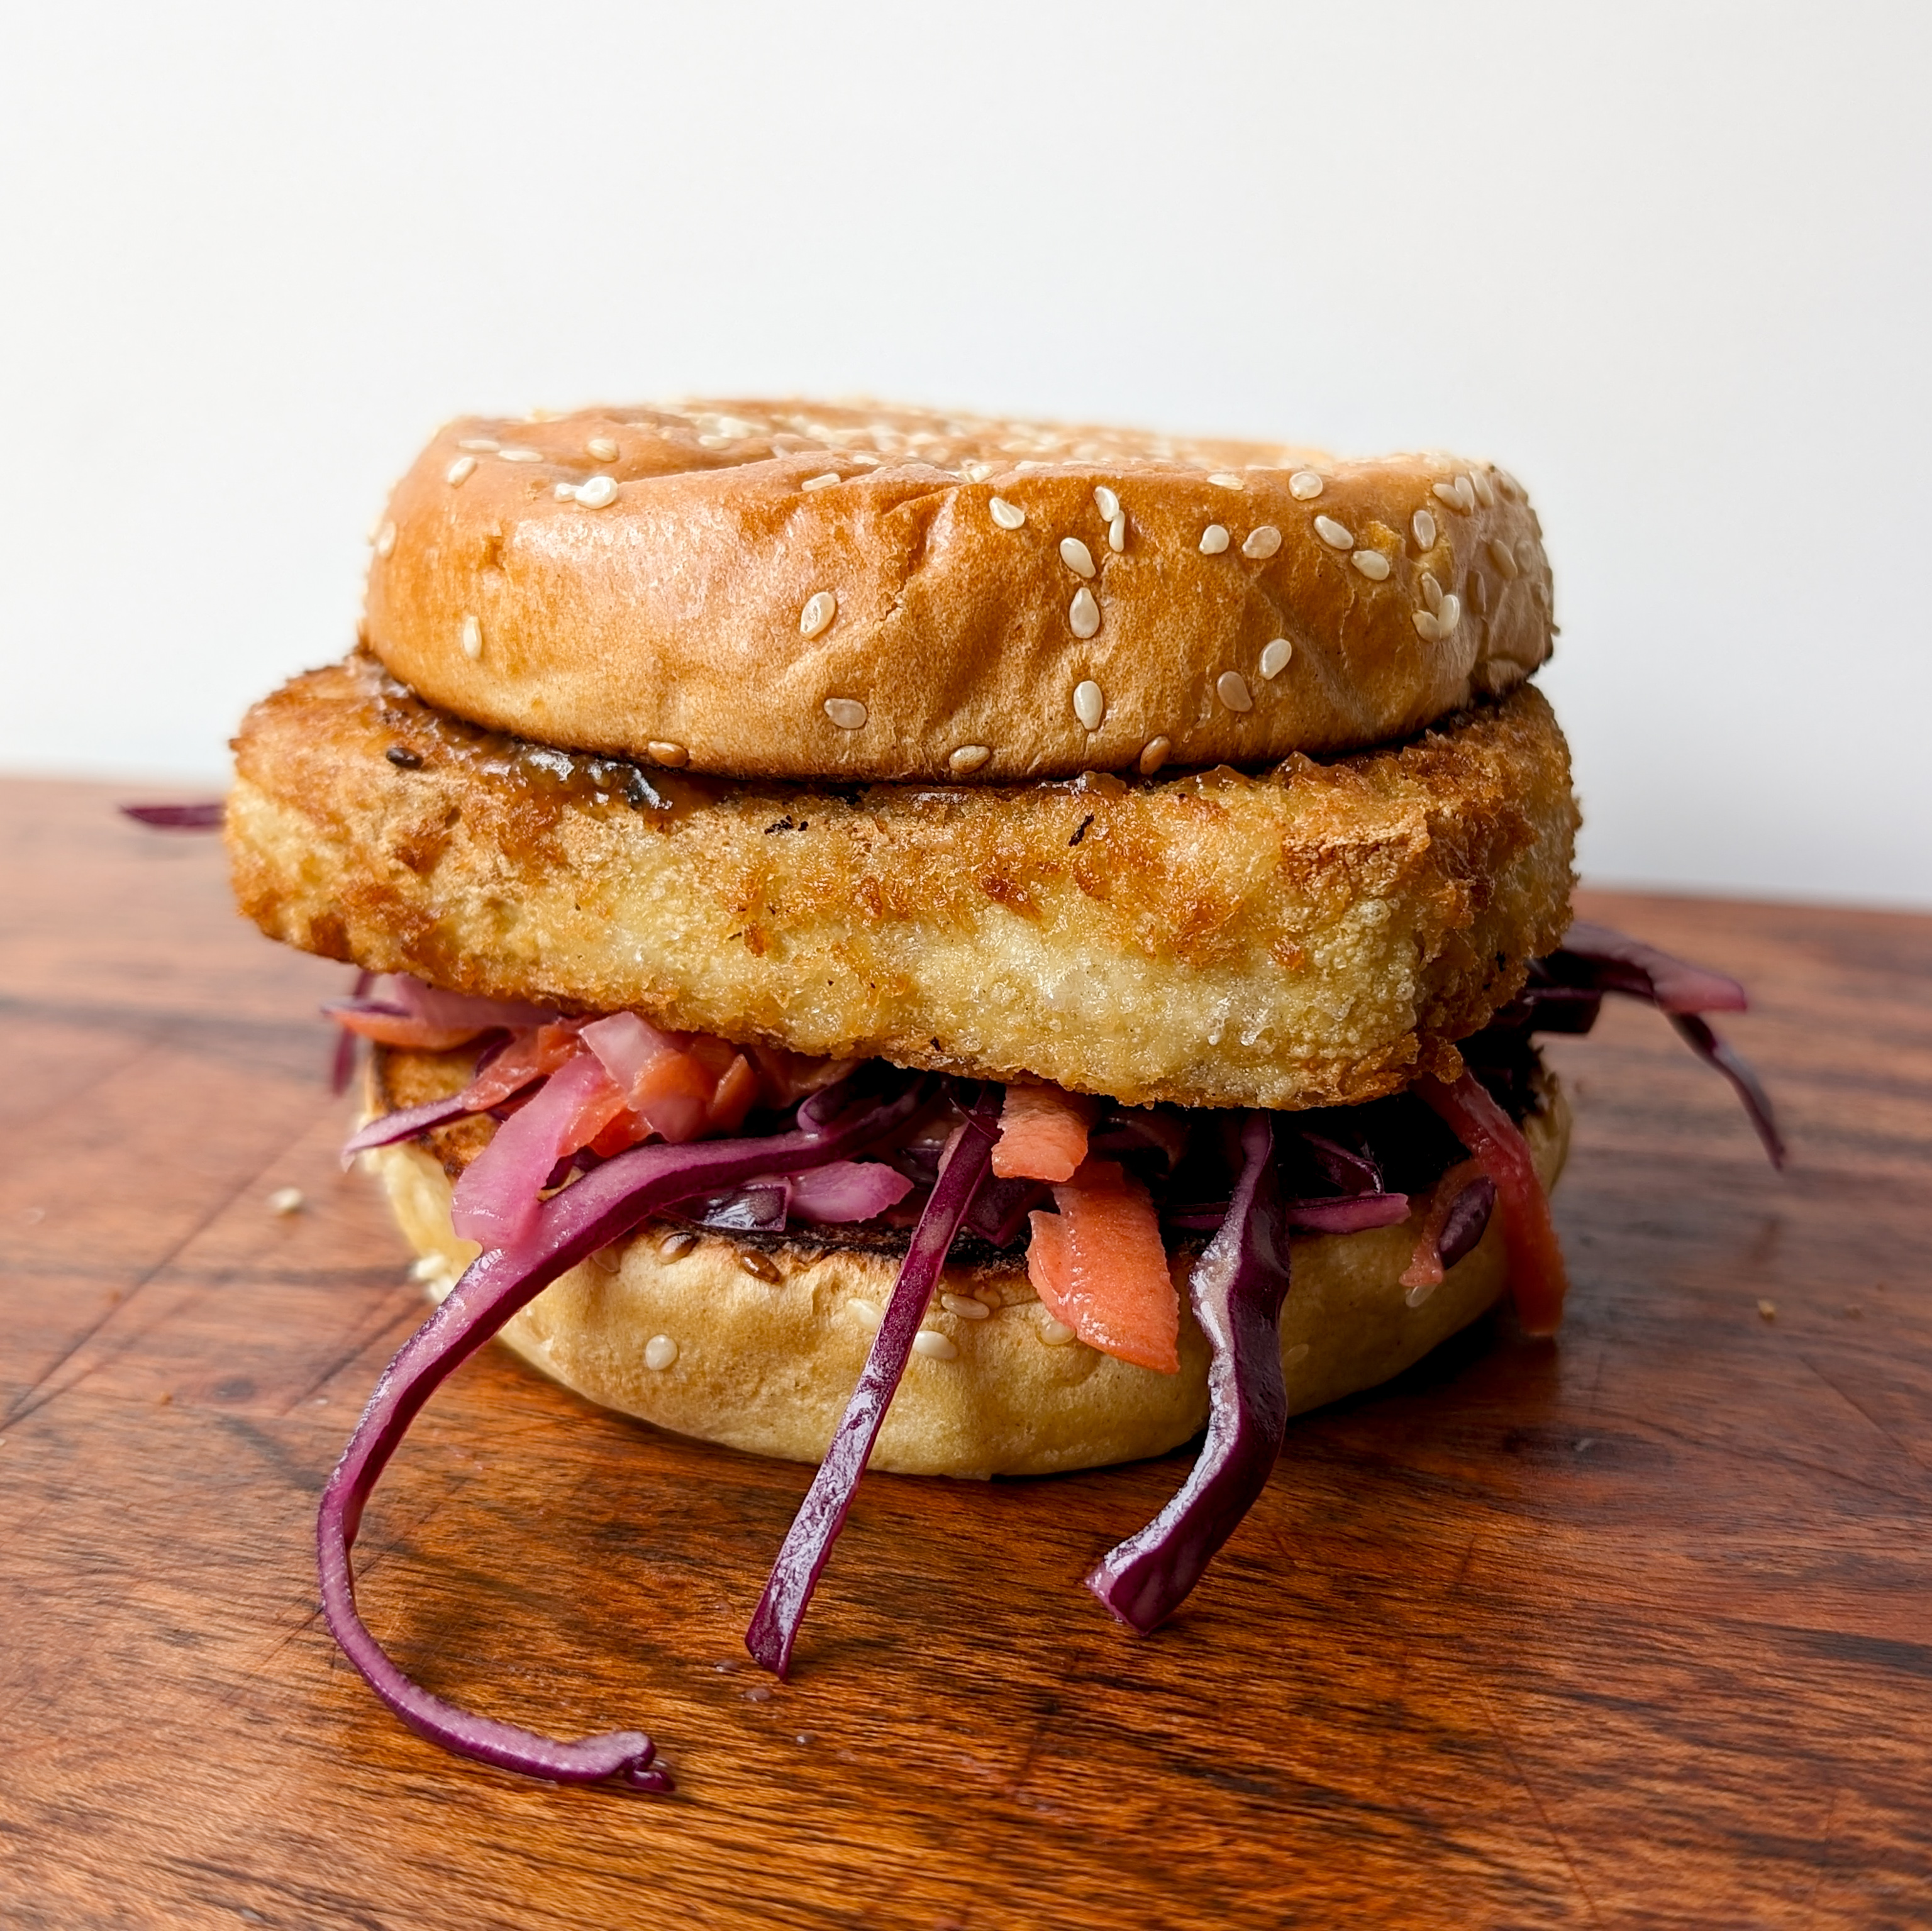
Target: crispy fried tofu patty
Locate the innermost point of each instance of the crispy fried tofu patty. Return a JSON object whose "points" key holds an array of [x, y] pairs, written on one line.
{"points": [[1313, 935]]}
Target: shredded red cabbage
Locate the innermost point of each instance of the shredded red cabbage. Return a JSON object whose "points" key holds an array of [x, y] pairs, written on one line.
{"points": [[807, 1543], [1237, 1289], [196, 817], [602, 1207], [1709, 1047], [1627, 965]]}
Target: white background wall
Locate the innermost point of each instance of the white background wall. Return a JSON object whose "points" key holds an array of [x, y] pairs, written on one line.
{"points": [[1669, 263]]}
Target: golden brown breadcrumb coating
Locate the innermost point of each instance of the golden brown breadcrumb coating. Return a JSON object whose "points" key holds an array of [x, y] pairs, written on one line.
{"points": [[1310, 936]]}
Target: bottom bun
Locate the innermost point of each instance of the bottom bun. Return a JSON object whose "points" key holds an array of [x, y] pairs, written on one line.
{"points": [[758, 1346]]}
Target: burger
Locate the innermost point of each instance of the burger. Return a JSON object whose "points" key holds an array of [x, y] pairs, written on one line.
{"points": [[967, 947]]}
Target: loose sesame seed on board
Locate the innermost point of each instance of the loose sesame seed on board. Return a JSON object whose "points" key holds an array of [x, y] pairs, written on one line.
{"points": [[460, 471], [1372, 563], [1261, 543], [1304, 486], [1214, 540], [1275, 658], [821, 607], [1090, 702], [1076, 556], [1008, 516], [847, 713], [1337, 535], [1083, 614]]}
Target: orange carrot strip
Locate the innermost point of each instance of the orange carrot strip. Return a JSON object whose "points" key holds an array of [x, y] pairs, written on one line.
{"points": [[1042, 1134], [1099, 1265]]}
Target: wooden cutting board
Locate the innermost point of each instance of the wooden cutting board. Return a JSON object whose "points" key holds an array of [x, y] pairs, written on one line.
{"points": [[1630, 1629]]}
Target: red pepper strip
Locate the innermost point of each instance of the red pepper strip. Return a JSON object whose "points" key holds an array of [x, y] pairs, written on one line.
{"points": [[807, 1543], [571, 1226], [1537, 1279]]}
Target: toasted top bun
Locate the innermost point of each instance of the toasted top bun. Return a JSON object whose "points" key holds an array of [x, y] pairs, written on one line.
{"points": [[793, 589]]}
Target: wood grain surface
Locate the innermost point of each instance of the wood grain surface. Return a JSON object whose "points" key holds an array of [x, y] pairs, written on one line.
{"points": [[1631, 1629]]}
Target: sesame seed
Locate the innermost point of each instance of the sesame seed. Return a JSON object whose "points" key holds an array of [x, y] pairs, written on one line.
{"points": [[1275, 658], [1767, 1310], [1076, 556], [1450, 615], [520, 455], [847, 713], [1117, 534], [660, 1351], [1427, 627], [472, 639], [1335, 535], [1154, 755], [1083, 614], [607, 1260], [1221, 480], [1106, 503], [1415, 1295], [934, 1345], [1261, 543], [1486, 494], [600, 449], [286, 1201], [1478, 591], [1231, 687], [1466, 493], [1090, 701], [757, 1266], [428, 1267], [1304, 486], [1527, 556], [672, 754], [865, 1313], [1214, 540], [599, 492], [460, 471], [1431, 591], [1500, 555], [1423, 526], [1008, 516], [1372, 563], [563, 492], [385, 540], [483, 445], [676, 1246], [968, 758], [1055, 1333], [967, 1310], [821, 482], [821, 607], [1445, 493]]}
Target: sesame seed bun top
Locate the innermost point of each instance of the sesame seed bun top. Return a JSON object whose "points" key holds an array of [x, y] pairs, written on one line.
{"points": [[801, 590]]}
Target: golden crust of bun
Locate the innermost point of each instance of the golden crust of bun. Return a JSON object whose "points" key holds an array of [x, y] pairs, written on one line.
{"points": [[795, 589], [758, 1346], [1309, 936]]}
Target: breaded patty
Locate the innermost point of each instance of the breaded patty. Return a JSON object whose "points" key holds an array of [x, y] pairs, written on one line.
{"points": [[1310, 936]]}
